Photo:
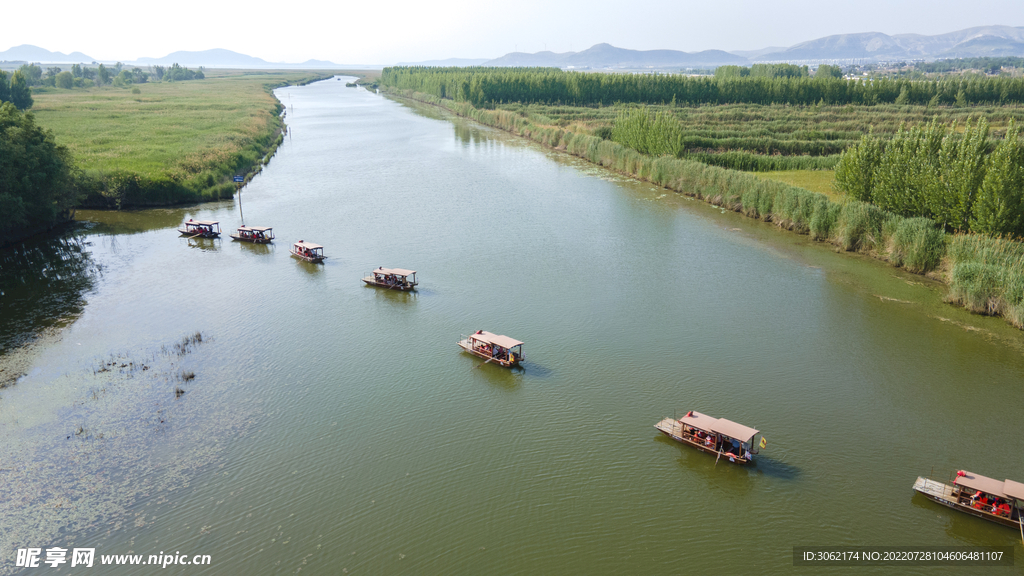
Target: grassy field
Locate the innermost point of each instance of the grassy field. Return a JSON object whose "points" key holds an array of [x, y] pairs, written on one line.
{"points": [[171, 142], [819, 181]]}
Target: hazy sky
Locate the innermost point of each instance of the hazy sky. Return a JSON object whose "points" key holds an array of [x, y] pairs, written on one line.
{"points": [[385, 32]]}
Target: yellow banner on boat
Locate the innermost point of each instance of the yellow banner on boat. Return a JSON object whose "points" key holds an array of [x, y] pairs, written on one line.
{"points": [[763, 442]]}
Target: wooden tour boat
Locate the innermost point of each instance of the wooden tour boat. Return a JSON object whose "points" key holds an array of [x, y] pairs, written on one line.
{"points": [[308, 251], [393, 278], [495, 348], [254, 234], [999, 501], [201, 228], [713, 435]]}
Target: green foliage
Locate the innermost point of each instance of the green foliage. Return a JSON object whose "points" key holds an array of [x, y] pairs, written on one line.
{"points": [[765, 84], [123, 78], [987, 276], [960, 171], [917, 244], [37, 177], [32, 74], [985, 63], [5, 87], [176, 73], [102, 75], [904, 177], [778, 71], [999, 209], [731, 71], [64, 80], [857, 166], [938, 171], [827, 71], [21, 94], [654, 134], [180, 144]]}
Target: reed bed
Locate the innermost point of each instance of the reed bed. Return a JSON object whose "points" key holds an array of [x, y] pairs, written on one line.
{"points": [[987, 276]]}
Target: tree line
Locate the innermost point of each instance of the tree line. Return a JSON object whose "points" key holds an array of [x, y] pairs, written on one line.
{"points": [[952, 175], [16, 87], [485, 87], [763, 71]]}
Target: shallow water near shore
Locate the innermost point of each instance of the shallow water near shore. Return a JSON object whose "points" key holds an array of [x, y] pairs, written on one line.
{"points": [[333, 428]]}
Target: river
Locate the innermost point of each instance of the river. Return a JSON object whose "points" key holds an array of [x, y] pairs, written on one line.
{"points": [[212, 397]]}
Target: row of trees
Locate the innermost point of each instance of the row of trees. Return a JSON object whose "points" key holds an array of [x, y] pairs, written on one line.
{"points": [[954, 176], [37, 177], [80, 76], [763, 71], [488, 86], [989, 64], [14, 89]]}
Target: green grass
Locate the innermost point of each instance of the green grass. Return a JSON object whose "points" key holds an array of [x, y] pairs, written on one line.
{"points": [[819, 181], [173, 142]]}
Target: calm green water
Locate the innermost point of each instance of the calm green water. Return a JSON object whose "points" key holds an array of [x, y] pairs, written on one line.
{"points": [[336, 428]]}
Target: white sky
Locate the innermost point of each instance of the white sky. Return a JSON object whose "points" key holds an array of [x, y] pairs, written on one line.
{"points": [[385, 32]]}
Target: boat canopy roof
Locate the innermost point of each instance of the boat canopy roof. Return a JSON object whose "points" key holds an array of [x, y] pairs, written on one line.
{"points": [[310, 245], [255, 228], [719, 426], [395, 271], [203, 222], [982, 483], [1015, 489], [503, 341]]}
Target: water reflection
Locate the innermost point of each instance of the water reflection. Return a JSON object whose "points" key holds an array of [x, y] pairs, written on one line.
{"points": [[204, 244], [718, 475], [965, 528], [42, 283], [135, 221], [256, 249], [508, 379], [397, 297], [308, 267]]}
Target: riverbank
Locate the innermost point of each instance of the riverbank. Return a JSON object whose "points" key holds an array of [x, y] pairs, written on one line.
{"points": [[170, 142], [985, 275]]}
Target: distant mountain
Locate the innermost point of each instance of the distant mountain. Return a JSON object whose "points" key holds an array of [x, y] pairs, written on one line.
{"points": [[755, 54], [447, 62], [605, 56], [978, 41], [31, 53], [214, 57], [311, 63]]}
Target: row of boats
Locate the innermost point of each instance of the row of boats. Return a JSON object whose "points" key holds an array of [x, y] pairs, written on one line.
{"points": [[493, 348], [999, 501]]}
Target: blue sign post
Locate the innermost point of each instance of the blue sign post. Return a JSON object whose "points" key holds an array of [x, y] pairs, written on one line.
{"points": [[239, 178]]}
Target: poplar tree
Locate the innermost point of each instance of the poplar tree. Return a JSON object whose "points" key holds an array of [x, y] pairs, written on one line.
{"points": [[999, 209]]}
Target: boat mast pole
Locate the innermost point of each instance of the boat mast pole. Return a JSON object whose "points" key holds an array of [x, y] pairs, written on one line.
{"points": [[1020, 522], [238, 187]]}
